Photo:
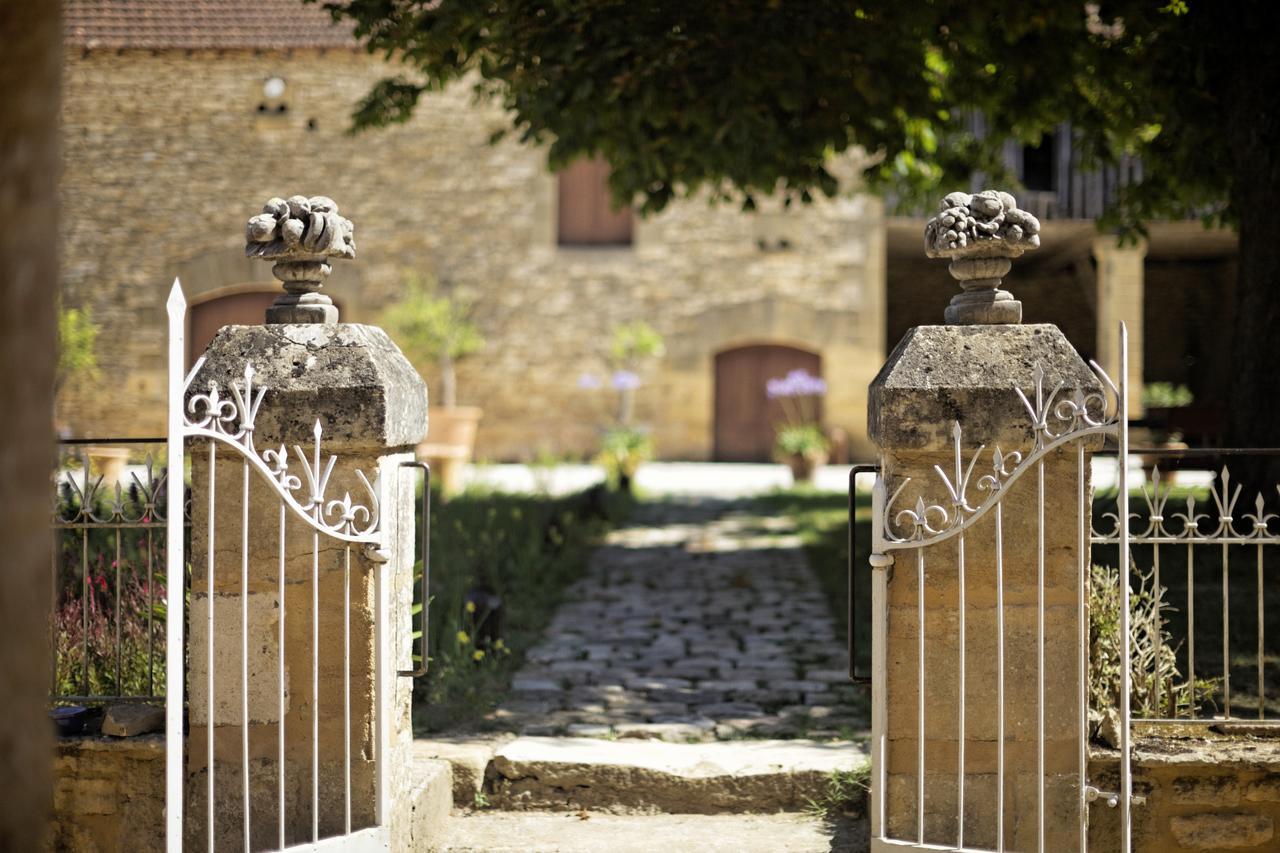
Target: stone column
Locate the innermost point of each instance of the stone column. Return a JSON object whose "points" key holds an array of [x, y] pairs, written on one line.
{"points": [[968, 372], [1121, 294], [370, 406]]}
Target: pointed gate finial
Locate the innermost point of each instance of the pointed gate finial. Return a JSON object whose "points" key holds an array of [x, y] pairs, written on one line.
{"points": [[300, 234], [980, 233]]}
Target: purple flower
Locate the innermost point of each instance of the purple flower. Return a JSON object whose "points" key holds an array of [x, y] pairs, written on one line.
{"points": [[797, 383], [624, 380], [588, 382]]}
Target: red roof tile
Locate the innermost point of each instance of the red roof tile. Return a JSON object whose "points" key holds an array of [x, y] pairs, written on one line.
{"points": [[161, 24]]}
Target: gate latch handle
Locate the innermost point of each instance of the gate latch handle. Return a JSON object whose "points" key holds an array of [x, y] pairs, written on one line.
{"points": [[1092, 794], [1112, 800], [421, 669]]}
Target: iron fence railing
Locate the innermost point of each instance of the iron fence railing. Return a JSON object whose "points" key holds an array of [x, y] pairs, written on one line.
{"points": [[1199, 547], [109, 589]]}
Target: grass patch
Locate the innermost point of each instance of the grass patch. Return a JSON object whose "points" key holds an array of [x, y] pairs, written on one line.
{"points": [[845, 794], [499, 567]]}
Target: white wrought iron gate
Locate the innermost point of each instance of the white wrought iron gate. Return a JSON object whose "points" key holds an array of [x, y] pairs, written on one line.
{"points": [[223, 419], [904, 538]]}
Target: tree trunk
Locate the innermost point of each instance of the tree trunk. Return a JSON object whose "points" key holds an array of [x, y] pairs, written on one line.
{"points": [[30, 71], [1253, 130]]}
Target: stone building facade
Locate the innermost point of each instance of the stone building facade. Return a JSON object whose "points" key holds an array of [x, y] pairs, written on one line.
{"points": [[176, 124], [171, 139]]}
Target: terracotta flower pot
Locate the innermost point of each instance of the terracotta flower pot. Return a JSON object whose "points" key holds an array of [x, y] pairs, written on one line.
{"points": [[803, 465], [451, 439]]}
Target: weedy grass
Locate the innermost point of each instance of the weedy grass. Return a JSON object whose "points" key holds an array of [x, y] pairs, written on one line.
{"points": [[845, 794], [499, 566]]}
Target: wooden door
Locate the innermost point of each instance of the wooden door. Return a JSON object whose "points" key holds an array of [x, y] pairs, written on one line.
{"points": [[746, 418], [235, 309]]}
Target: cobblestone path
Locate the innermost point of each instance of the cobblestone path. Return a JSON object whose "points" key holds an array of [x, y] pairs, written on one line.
{"points": [[699, 621]]}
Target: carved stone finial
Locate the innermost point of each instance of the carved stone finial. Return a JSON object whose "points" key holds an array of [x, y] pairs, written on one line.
{"points": [[980, 233], [300, 234]]}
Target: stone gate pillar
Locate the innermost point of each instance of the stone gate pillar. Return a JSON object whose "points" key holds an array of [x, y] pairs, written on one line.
{"points": [[967, 373], [371, 410]]}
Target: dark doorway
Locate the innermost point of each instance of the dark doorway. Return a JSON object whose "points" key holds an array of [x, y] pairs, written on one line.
{"points": [[745, 416]]}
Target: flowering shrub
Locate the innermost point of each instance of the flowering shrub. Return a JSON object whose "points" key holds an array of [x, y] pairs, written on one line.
{"points": [[800, 434], [87, 640], [624, 447]]}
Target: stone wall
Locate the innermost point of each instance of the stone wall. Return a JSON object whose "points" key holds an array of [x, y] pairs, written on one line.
{"points": [[108, 794], [1204, 791], [166, 153]]}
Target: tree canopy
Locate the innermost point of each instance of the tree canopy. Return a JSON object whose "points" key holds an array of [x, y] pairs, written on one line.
{"points": [[751, 97]]}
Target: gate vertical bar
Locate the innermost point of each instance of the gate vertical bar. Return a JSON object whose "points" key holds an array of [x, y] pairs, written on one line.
{"points": [[1040, 657], [1082, 676], [244, 652], [1191, 622], [1262, 686], [280, 697], [213, 469], [1126, 781], [960, 688], [315, 672], [999, 677], [346, 688], [175, 572], [920, 698], [1226, 621]]}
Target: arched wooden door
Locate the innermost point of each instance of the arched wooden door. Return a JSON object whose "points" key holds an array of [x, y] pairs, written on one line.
{"points": [[745, 417], [247, 308], [233, 309]]}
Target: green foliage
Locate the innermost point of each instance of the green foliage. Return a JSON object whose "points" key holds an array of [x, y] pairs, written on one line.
{"points": [[1166, 395], [430, 326], [109, 605], [622, 450], [747, 99], [433, 328], [523, 548], [801, 440], [844, 795], [1157, 689], [635, 342], [77, 340]]}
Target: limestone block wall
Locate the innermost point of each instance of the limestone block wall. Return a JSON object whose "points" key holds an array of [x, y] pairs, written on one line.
{"points": [[165, 152], [942, 632], [1204, 791], [108, 794]]}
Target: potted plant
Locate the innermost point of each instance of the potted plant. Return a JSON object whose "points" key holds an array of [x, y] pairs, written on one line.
{"points": [[435, 328], [799, 441], [622, 450], [623, 445]]}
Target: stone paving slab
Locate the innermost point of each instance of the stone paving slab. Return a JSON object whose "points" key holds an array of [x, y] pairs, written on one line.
{"points": [[700, 620], [627, 776], [592, 832]]}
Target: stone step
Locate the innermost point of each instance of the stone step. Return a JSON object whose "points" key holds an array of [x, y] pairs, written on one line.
{"points": [[430, 802], [592, 832], [655, 776]]}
